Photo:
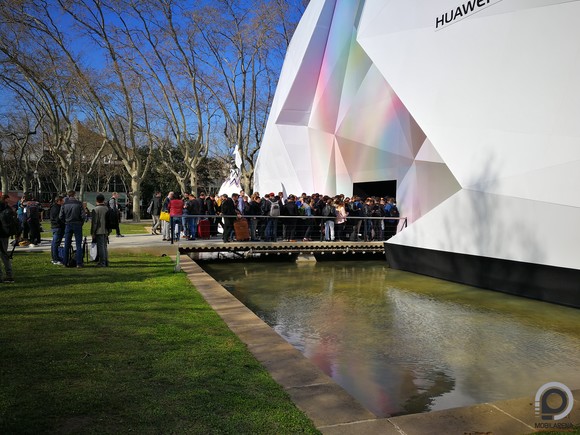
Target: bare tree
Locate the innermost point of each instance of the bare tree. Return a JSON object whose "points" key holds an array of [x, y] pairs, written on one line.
{"points": [[240, 43], [165, 55], [16, 165], [169, 78], [36, 71], [117, 100]]}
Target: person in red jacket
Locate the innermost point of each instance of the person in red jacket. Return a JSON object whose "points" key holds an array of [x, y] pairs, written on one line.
{"points": [[175, 212]]}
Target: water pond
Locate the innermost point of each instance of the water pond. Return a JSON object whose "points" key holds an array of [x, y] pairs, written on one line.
{"points": [[403, 343]]}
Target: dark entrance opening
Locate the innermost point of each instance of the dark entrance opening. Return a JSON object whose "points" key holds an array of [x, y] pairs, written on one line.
{"points": [[375, 188]]}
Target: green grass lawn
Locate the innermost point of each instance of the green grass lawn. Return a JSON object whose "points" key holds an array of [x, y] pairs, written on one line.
{"points": [[132, 348]]}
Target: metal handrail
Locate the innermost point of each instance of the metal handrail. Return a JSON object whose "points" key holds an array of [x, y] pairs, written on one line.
{"points": [[297, 217]]}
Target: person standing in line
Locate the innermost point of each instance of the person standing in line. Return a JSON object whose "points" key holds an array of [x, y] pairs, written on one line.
{"points": [[165, 226], [255, 210], [155, 212], [229, 211], [240, 201], [341, 215], [175, 214], [114, 205], [99, 230], [329, 213], [290, 209], [185, 219], [211, 210], [196, 207], [72, 214], [272, 210], [391, 224], [307, 205], [57, 228]]}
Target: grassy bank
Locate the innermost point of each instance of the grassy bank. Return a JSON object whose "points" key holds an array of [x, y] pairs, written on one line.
{"points": [[133, 348]]}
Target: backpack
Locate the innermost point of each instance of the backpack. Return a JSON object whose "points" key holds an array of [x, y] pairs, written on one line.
{"points": [[32, 210], [328, 211], [9, 224], [275, 209], [111, 220], [394, 211]]}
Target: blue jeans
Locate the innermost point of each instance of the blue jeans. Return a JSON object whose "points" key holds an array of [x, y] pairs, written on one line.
{"points": [[329, 231], [185, 223], [175, 232], [75, 229], [189, 225], [271, 229], [57, 235], [193, 227], [253, 226]]}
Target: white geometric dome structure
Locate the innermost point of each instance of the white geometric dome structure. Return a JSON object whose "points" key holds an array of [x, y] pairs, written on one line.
{"points": [[471, 106]]}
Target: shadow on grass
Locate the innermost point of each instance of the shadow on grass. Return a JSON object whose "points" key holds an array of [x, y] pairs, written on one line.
{"points": [[134, 349]]}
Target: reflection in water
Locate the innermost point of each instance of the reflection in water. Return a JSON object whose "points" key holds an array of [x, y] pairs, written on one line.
{"points": [[403, 343]]}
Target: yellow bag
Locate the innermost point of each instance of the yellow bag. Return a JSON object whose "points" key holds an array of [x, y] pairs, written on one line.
{"points": [[164, 216]]}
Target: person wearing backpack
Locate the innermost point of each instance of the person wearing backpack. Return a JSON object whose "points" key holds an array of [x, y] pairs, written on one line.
{"points": [[329, 213], [8, 227], [272, 210], [72, 214]]}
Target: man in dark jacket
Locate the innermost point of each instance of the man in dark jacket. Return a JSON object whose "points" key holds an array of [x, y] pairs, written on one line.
{"points": [[195, 207], [114, 205], [229, 209], [57, 228], [290, 209], [99, 230], [73, 215], [33, 210], [210, 210], [155, 212]]}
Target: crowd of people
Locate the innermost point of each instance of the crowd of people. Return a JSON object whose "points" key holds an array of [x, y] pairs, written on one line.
{"points": [[270, 218], [274, 216], [66, 215]]}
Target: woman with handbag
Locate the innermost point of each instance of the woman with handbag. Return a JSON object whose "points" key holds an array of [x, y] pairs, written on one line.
{"points": [[165, 218]]}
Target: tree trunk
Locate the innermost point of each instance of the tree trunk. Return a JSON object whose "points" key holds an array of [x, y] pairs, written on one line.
{"points": [[82, 188], [136, 191], [4, 182], [193, 182]]}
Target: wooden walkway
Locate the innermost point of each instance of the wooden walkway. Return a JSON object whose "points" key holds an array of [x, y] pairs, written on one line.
{"points": [[247, 249]]}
